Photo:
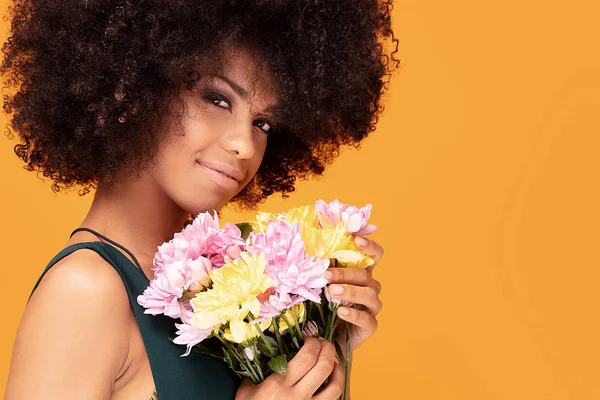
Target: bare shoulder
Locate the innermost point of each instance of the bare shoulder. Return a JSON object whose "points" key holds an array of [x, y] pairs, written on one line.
{"points": [[88, 274], [82, 284], [72, 340]]}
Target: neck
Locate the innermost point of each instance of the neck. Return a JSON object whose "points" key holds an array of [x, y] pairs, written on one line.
{"points": [[136, 214]]}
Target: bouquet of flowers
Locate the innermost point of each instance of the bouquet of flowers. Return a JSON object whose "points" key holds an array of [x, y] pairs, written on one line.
{"points": [[257, 288]]}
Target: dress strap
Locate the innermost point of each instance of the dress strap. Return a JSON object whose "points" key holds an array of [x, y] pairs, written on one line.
{"points": [[101, 236]]}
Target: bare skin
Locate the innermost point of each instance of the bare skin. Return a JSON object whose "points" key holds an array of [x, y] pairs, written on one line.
{"points": [[79, 339]]}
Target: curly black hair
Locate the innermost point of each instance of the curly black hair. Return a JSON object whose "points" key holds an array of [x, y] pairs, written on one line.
{"points": [[88, 76]]}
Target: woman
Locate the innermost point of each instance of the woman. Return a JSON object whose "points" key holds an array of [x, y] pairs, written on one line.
{"points": [[169, 109]]}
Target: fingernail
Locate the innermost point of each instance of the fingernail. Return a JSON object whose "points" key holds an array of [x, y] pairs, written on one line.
{"points": [[360, 241], [336, 289], [328, 275], [343, 311]]}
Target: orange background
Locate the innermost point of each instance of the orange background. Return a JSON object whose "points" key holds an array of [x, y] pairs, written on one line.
{"points": [[484, 179]]}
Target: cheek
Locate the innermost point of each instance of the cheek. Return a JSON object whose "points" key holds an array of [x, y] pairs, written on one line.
{"points": [[261, 146], [253, 164], [200, 131]]}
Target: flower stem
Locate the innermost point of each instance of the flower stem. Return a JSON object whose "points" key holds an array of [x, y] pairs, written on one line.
{"points": [[264, 339], [333, 321], [243, 364], [297, 324], [320, 308], [292, 331], [347, 361], [308, 314], [278, 337], [259, 368], [250, 369], [248, 366]]}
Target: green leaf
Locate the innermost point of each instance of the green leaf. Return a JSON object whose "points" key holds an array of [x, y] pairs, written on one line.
{"points": [[278, 364], [295, 342], [210, 352], [246, 228], [232, 361], [211, 346], [264, 349]]}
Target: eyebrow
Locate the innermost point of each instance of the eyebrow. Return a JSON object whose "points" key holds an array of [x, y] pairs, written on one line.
{"points": [[243, 93]]}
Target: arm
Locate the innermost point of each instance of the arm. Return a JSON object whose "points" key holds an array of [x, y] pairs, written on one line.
{"points": [[71, 341]]}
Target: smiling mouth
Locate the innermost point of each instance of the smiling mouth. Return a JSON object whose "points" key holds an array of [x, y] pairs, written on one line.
{"points": [[220, 172], [223, 174]]}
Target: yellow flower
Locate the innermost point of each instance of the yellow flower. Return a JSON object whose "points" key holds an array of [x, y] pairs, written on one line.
{"points": [[333, 242], [283, 326], [262, 220], [306, 215], [351, 257], [242, 332], [234, 291], [326, 241]]}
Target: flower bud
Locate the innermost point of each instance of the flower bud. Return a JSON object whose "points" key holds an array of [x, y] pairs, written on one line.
{"points": [[310, 329], [249, 353]]}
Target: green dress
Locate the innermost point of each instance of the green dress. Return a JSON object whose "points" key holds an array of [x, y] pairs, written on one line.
{"points": [[197, 376]]}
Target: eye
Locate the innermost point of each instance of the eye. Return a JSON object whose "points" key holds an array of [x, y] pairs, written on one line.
{"points": [[218, 100], [263, 125]]}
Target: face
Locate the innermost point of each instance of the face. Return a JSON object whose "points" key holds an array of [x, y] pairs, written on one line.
{"points": [[216, 147]]}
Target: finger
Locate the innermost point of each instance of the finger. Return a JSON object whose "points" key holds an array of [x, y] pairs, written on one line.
{"points": [[369, 247], [302, 362], [377, 286], [352, 276], [362, 319], [335, 385], [366, 296], [313, 379]]}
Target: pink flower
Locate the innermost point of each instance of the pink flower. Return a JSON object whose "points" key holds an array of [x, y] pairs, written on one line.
{"points": [[354, 218], [310, 329], [206, 235], [276, 303], [190, 243], [224, 243], [204, 222], [190, 336], [296, 276], [187, 334], [187, 310], [182, 264], [170, 281], [160, 298]]}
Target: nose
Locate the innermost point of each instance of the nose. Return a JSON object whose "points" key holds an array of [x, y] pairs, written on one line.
{"points": [[239, 140]]}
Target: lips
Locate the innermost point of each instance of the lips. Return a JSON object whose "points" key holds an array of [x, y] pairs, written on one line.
{"points": [[225, 169]]}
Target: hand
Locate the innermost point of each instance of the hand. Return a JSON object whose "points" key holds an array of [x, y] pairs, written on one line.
{"points": [[357, 286], [315, 362]]}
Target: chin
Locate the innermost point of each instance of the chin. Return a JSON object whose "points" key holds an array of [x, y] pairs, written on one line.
{"points": [[201, 198], [203, 203]]}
